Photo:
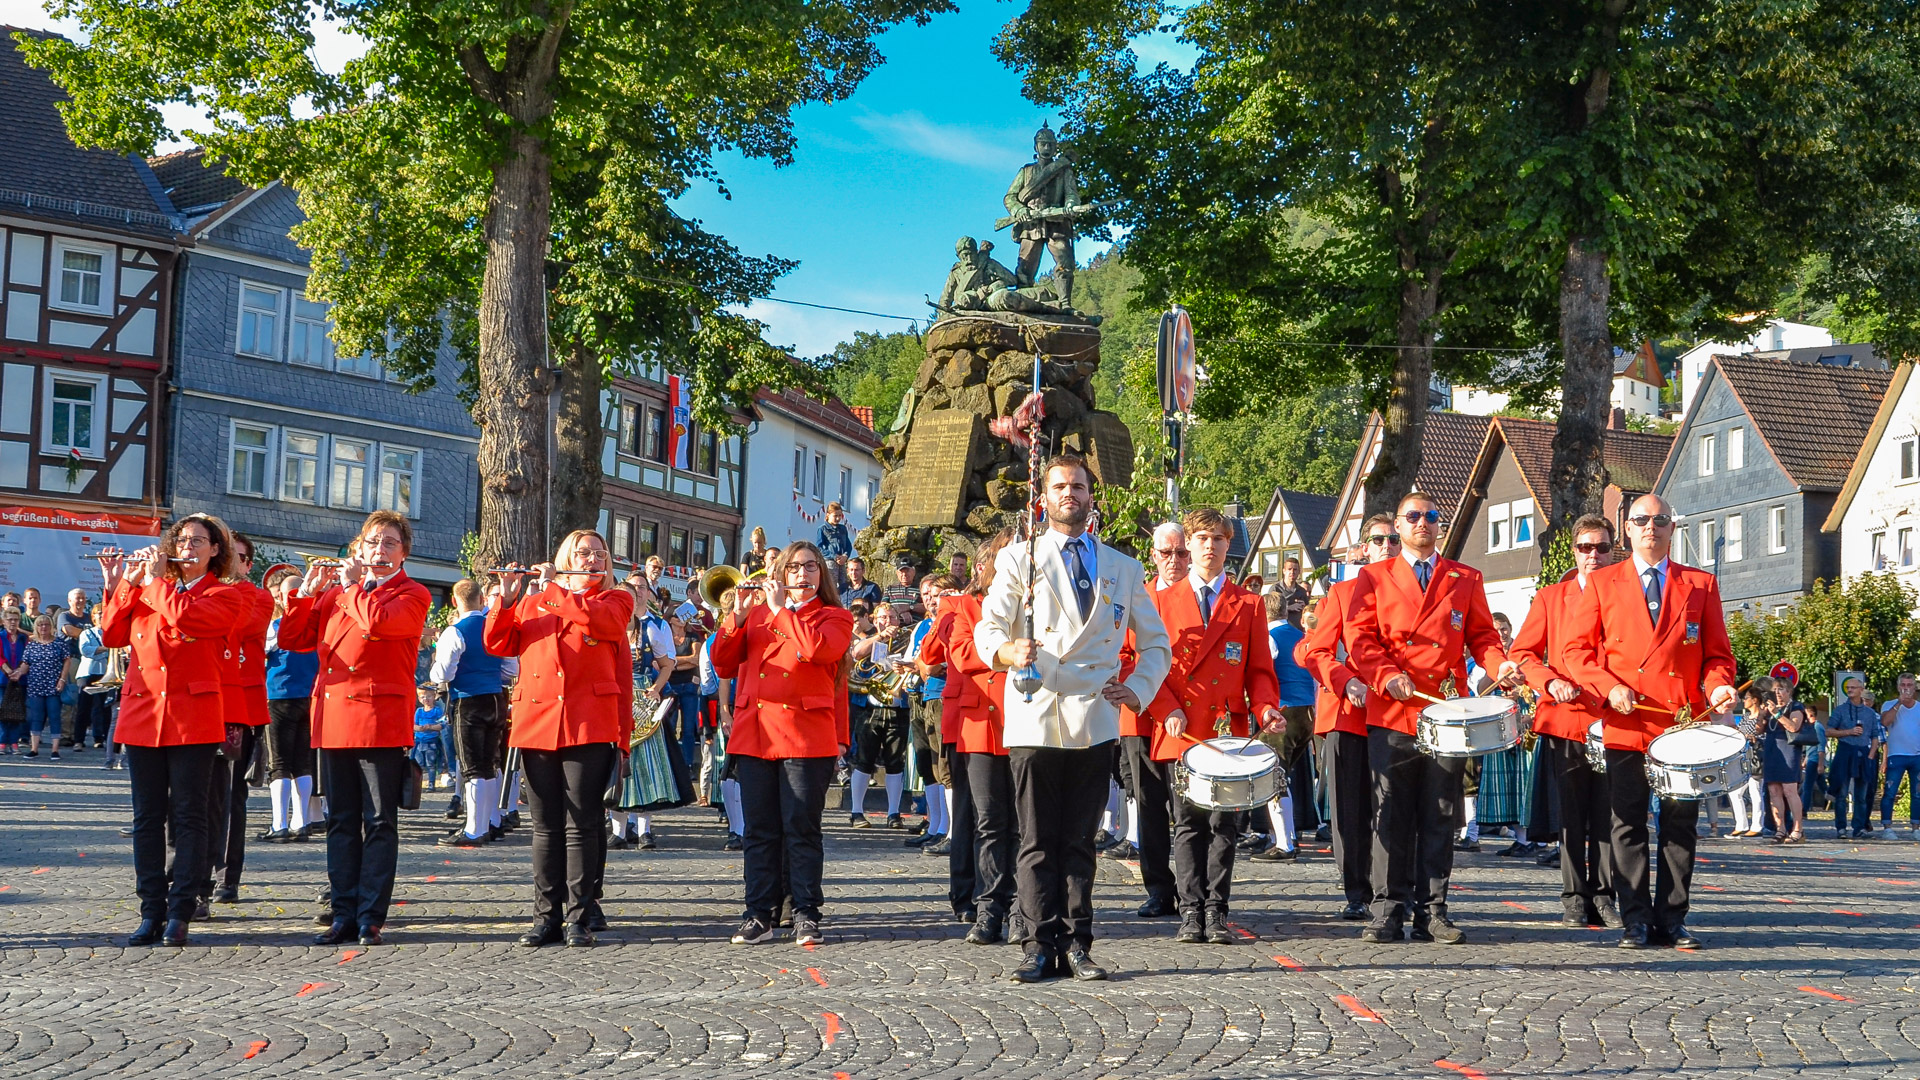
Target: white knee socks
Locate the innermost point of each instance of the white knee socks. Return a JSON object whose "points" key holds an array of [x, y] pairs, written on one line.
{"points": [[1280, 816], [937, 809], [1473, 818], [280, 795], [1133, 822], [858, 790], [1116, 798], [477, 800], [301, 813], [644, 823], [896, 786], [730, 795]]}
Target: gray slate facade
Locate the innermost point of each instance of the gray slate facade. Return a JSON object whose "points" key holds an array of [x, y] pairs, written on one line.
{"points": [[275, 434]]}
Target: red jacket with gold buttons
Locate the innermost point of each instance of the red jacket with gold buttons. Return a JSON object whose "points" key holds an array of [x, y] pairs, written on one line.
{"points": [[576, 674], [1678, 662], [368, 641], [1319, 653], [789, 698], [1393, 628], [1222, 667], [1540, 650], [981, 691], [178, 642], [244, 675]]}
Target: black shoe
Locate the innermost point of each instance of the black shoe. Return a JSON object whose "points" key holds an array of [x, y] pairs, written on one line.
{"points": [[1466, 845], [1550, 859], [1193, 929], [511, 821], [126, 830], [1608, 912], [1125, 849], [858, 821], [579, 937], [1573, 913], [324, 918], [543, 933], [1437, 928], [894, 822], [1218, 932], [459, 838], [919, 828], [1682, 938], [495, 833], [273, 836], [1017, 932], [752, 932], [986, 930], [1276, 853], [966, 915], [339, 933], [224, 895], [1634, 936], [301, 835], [370, 935], [734, 842], [1036, 967], [919, 840], [1102, 840], [1518, 847], [938, 847], [202, 910], [645, 843], [1080, 965], [597, 921], [1253, 842], [325, 897], [147, 934], [618, 843], [175, 934], [1156, 907], [1381, 931], [456, 811], [1324, 834], [1355, 912]]}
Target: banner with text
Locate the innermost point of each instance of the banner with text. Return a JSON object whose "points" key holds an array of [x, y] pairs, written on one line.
{"points": [[43, 547]]}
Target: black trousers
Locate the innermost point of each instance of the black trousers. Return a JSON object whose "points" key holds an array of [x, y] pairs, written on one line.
{"points": [[169, 798], [289, 738], [963, 871], [479, 730], [1152, 801], [879, 740], [566, 790], [363, 834], [1343, 764], [1417, 807], [1586, 821], [781, 800], [89, 712], [227, 816], [989, 782], [1058, 795], [1664, 907], [1203, 843]]}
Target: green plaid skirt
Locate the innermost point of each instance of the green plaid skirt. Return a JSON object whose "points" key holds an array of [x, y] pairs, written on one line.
{"points": [[1506, 788]]}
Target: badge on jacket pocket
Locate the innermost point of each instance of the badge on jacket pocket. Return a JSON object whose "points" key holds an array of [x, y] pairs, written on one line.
{"points": [[1231, 653], [1119, 615], [1693, 633], [1459, 620]]}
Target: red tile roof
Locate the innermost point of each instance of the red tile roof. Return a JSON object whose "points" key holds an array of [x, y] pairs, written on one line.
{"points": [[1633, 458], [831, 415], [1813, 417], [864, 412], [1449, 448]]}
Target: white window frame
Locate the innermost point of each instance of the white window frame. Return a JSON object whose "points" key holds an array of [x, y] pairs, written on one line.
{"points": [[351, 365], [380, 473], [873, 493], [266, 452], [1521, 510], [1776, 529], [1499, 527], [1736, 545], [1736, 449], [1877, 550], [319, 459], [1708, 532], [296, 321], [96, 429], [799, 469], [1906, 460], [846, 488], [279, 321], [109, 285], [1707, 446], [1680, 540], [819, 475], [367, 466], [1903, 547]]}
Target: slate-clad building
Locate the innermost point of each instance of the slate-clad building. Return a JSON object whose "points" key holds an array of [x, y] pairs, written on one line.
{"points": [[275, 432]]}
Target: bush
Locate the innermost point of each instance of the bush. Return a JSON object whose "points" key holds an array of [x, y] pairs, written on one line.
{"points": [[1866, 624]]}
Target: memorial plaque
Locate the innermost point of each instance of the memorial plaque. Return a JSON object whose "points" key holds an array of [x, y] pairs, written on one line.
{"points": [[1109, 448], [932, 486]]}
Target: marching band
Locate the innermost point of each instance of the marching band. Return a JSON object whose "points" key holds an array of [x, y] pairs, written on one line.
{"points": [[1056, 668]]}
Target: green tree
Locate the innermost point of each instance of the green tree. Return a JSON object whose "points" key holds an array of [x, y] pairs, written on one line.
{"points": [[875, 370], [1866, 624], [485, 163]]}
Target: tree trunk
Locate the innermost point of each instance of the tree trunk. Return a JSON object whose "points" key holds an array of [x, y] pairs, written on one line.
{"points": [[1579, 474], [1405, 417], [577, 480], [515, 385]]}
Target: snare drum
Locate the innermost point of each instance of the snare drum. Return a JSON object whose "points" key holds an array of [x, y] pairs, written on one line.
{"points": [[1229, 773], [1597, 746], [1469, 727], [1697, 762]]}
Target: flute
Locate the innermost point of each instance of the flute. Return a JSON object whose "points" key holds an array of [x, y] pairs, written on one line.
{"points": [[311, 563], [530, 570], [127, 556]]}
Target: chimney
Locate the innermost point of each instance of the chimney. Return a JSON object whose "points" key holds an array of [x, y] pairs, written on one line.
{"points": [[1617, 421]]}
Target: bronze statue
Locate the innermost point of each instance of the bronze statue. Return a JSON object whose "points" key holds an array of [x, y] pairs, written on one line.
{"points": [[979, 282], [1041, 204]]}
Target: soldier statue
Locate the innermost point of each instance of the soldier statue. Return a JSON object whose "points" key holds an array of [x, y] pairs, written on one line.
{"points": [[1041, 205], [979, 282]]}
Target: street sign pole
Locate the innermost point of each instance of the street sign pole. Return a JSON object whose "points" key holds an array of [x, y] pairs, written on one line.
{"points": [[1174, 370]]}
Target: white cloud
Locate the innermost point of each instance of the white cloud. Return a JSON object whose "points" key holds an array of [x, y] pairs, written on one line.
{"points": [[996, 150]]}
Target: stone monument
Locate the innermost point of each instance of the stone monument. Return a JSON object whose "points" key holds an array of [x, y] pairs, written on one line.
{"points": [[949, 482]]}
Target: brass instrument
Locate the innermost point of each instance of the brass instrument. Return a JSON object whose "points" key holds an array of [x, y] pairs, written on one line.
{"points": [[717, 581], [884, 682], [115, 674], [649, 712]]}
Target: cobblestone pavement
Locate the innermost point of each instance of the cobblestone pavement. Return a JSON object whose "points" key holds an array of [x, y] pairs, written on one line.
{"points": [[1811, 969]]}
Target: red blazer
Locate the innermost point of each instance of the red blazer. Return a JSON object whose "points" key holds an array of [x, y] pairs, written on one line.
{"points": [[244, 675], [1679, 662], [1395, 629], [936, 649], [576, 680], [368, 643], [789, 698], [1136, 724], [1540, 650], [1223, 667], [978, 711], [1320, 653], [173, 694]]}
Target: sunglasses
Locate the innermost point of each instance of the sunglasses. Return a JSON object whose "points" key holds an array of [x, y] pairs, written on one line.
{"points": [[1659, 521], [1384, 539], [1431, 517], [1593, 549]]}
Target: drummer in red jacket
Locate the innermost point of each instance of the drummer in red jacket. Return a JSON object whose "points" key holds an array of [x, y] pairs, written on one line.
{"points": [[572, 705], [982, 757], [785, 645], [1340, 719], [170, 608], [1413, 622], [1222, 672], [1561, 718], [243, 679], [366, 627], [1651, 640]]}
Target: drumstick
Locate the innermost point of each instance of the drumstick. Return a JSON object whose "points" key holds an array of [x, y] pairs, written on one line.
{"points": [[1430, 697]]}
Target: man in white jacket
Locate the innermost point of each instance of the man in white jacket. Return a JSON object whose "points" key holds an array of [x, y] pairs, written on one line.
{"points": [[1060, 735]]}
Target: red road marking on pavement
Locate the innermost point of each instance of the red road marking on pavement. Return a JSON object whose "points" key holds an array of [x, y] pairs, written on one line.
{"points": [[842, 1076], [1713, 888], [1467, 1071], [1890, 881], [1461, 888], [253, 1048], [446, 862], [1360, 1012], [350, 954], [833, 1028], [1242, 931], [4, 888], [1782, 900], [433, 877], [82, 854], [1702, 861], [817, 977], [1518, 907], [783, 971], [1855, 914], [1826, 993], [43, 869], [399, 903], [1289, 963], [1824, 858], [809, 946], [308, 989]]}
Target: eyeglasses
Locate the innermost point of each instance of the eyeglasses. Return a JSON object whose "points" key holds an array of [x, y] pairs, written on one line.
{"points": [[1384, 539], [1659, 521], [1593, 549], [1414, 517], [1169, 553], [805, 564]]}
